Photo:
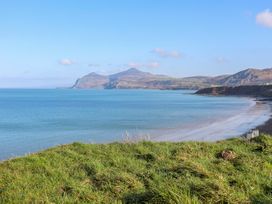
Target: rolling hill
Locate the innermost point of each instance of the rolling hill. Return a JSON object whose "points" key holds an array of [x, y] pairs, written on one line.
{"points": [[136, 79]]}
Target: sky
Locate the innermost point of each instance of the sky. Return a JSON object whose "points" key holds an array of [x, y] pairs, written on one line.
{"points": [[52, 43]]}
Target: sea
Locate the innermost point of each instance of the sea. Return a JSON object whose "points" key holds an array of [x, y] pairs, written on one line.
{"points": [[35, 119]]}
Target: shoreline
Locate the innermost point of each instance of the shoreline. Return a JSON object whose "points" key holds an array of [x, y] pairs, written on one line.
{"points": [[266, 127], [257, 116]]}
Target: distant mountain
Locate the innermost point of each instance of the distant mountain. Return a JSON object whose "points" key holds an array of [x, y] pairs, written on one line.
{"points": [[135, 79], [92, 80], [131, 78], [248, 77]]}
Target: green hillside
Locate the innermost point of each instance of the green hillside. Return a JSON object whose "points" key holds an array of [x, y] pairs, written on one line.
{"points": [[144, 172]]}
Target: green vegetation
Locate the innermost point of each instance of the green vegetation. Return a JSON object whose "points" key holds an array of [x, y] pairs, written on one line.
{"points": [[144, 172]]}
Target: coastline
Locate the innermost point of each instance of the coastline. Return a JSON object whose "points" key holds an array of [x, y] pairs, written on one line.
{"points": [[266, 127], [211, 127], [258, 115]]}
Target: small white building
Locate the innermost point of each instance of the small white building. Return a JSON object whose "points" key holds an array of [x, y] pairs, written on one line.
{"points": [[252, 134]]}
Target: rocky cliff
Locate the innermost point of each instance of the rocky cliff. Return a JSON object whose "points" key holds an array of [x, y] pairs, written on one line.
{"points": [[251, 90]]}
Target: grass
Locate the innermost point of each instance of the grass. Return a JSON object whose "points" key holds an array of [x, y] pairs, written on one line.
{"points": [[144, 172]]}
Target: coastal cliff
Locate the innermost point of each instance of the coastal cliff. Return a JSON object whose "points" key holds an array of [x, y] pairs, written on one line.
{"points": [[253, 90]]}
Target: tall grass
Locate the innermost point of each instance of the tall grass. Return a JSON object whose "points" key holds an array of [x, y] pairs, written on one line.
{"points": [[143, 172]]}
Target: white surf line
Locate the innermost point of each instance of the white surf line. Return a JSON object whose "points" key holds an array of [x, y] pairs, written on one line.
{"points": [[226, 128]]}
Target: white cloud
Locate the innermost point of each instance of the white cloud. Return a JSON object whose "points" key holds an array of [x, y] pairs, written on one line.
{"points": [[221, 60], [152, 64], [66, 62], [164, 53], [93, 65], [264, 18], [134, 65]]}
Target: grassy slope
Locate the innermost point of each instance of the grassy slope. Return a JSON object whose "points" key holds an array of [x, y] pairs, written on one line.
{"points": [[149, 172]]}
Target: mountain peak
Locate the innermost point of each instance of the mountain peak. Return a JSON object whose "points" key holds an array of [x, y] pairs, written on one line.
{"points": [[132, 73], [94, 74], [91, 80], [133, 70]]}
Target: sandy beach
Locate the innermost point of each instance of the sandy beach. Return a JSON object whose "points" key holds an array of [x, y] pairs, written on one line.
{"points": [[257, 115]]}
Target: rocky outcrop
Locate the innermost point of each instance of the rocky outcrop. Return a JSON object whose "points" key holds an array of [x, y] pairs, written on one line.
{"points": [[228, 155]]}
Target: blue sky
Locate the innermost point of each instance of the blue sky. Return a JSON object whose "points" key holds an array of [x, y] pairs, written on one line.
{"points": [[51, 43]]}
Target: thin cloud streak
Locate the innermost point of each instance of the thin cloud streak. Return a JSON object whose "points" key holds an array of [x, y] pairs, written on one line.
{"points": [[167, 54], [221, 60], [153, 64]]}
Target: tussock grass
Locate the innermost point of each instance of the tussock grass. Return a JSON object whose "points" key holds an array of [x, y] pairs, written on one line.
{"points": [[143, 172]]}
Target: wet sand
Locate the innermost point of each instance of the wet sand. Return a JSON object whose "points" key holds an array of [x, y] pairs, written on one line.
{"points": [[255, 116]]}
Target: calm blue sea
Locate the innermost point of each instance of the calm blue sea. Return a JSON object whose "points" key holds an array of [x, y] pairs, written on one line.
{"points": [[31, 120]]}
